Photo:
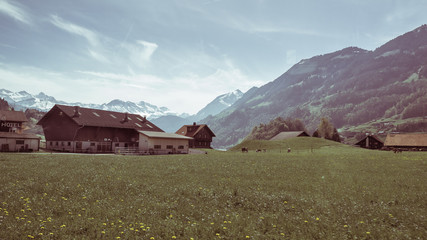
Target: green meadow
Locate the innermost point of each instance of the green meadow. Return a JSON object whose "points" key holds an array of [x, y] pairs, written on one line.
{"points": [[321, 190]]}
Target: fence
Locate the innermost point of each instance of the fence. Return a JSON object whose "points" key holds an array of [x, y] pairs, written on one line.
{"points": [[130, 151], [137, 151]]}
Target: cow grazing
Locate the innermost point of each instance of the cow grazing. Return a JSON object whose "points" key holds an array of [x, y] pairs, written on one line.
{"points": [[245, 150]]}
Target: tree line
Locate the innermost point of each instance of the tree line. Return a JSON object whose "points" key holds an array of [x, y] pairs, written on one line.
{"points": [[263, 131]]}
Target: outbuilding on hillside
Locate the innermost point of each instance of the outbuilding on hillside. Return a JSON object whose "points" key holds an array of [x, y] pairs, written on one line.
{"points": [[370, 142], [407, 141], [289, 134]]}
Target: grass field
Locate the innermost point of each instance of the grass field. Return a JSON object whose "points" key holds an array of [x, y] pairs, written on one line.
{"points": [[321, 190]]}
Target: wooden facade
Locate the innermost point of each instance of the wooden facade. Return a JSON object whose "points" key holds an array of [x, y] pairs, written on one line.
{"points": [[202, 135], [76, 129], [12, 138], [370, 142]]}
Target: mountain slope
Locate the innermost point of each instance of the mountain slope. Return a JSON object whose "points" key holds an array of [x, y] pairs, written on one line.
{"points": [[218, 104], [172, 123], [350, 86]]}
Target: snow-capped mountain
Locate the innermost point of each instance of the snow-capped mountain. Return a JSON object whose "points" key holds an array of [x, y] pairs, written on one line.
{"points": [[172, 123], [23, 100], [219, 104]]}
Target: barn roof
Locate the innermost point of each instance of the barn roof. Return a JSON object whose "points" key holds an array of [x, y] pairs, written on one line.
{"points": [[18, 135], [14, 116], [369, 136], [406, 140], [289, 134], [194, 129], [101, 118], [152, 134]]}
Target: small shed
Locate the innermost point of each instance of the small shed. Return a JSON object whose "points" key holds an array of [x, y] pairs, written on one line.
{"points": [[407, 141], [289, 134], [370, 142]]}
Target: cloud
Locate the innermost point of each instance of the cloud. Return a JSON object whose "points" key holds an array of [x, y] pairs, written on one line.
{"points": [[98, 56], [247, 25], [140, 52], [133, 78], [14, 12], [89, 35], [148, 49]]}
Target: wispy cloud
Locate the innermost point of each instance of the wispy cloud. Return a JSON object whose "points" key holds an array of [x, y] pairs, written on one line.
{"points": [[89, 35], [140, 52], [15, 12], [98, 56], [101, 47]]}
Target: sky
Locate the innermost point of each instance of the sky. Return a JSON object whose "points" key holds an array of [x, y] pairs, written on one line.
{"points": [[180, 54]]}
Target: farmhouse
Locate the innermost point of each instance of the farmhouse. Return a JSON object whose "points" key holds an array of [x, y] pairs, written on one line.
{"points": [[407, 141], [370, 142], [77, 129], [202, 135], [12, 138], [289, 134]]}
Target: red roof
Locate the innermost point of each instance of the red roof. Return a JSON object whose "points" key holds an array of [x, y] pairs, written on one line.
{"points": [[192, 130], [102, 118], [13, 116]]}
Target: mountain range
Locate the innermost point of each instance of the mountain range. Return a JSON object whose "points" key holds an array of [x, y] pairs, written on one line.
{"points": [[161, 116], [351, 87]]}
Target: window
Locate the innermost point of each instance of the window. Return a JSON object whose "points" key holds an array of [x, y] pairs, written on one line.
{"points": [[169, 146], [113, 116], [19, 141], [180, 147], [56, 144], [78, 145], [157, 146], [138, 125], [148, 125], [96, 114], [50, 143], [117, 144], [92, 144], [139, 119], [69, 143]]}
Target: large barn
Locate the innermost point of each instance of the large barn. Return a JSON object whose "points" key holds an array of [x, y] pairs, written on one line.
{"points": [[406, 141], [202, 135], [12, 138], [77, 129]]}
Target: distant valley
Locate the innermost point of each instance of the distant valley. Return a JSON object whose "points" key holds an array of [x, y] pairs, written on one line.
{"points": [[358, 90]]}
